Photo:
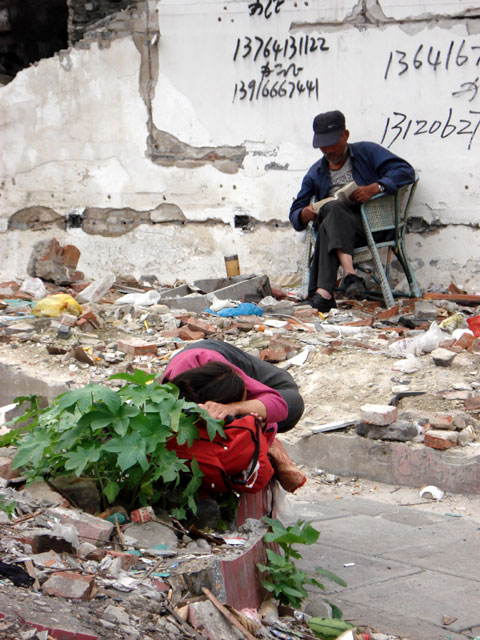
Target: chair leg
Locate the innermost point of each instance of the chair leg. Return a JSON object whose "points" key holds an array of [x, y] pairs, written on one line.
{"points": [[407, 267], [385, 286], [309, 243]]}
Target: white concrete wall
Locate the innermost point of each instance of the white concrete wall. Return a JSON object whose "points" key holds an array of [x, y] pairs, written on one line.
{"points": [[74, 130]]}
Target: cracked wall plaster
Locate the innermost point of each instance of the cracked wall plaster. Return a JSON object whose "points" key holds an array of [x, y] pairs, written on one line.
{"points": [[151, 134]]}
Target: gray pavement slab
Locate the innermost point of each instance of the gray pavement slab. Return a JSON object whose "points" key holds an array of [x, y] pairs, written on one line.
{"points": [[408, 567]]}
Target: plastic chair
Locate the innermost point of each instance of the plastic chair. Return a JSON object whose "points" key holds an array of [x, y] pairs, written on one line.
{"points": [[383, 212]]}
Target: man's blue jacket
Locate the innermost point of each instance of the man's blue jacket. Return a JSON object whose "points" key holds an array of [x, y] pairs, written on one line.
{"points": [[370, 163]]}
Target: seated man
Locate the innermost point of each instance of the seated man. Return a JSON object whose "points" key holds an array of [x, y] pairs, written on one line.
{"points": [[375, 170]]}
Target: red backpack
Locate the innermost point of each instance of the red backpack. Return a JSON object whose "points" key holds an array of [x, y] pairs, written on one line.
{"points": [[238, 462]]}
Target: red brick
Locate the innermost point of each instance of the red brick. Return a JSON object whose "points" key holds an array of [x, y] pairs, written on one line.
{"points": [[378, 414], [305, 313], [70, 256], [53, 250], [70, 585], [90, 317], [170, 333], [198, 324], [187, 334], [440, 439], [89, 528], [442, 421], [388, 313], [465, 341], [273, 355], [68, 319], [281, 342], [137, 347]]}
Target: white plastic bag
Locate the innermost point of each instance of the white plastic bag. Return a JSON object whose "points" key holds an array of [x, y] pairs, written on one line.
{"points": [[140, 299], [34, 287], [419, 344]]}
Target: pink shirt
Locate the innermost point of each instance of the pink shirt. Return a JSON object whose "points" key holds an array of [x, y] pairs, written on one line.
{"points": [[274, 403]]}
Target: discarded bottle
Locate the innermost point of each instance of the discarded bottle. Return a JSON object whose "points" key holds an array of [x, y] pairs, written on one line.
{"points": [[144, 514]]}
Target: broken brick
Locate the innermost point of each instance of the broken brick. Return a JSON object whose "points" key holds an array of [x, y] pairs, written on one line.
{"points": [[137, 347], [379, 414], [198, 324], [473, 403], [388, 313], [68, 319], [437, 439], [305, 313], [243, 326], [281, 342], [442, 421], [129, 560], [465, 341], [88, 527], [70, 256], [187, 334], [70, 585], [273, 355], [170, 333]]}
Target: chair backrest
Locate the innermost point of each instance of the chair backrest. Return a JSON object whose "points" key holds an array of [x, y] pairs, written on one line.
{"points": [[389, 212]]}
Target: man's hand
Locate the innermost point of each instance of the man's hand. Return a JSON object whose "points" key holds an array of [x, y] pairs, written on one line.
{"points": [[307, 214], [362, 194]]}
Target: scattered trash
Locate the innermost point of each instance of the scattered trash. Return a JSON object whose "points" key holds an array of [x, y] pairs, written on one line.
{"points": [[432, 492], [53, 306], [243, 309]]}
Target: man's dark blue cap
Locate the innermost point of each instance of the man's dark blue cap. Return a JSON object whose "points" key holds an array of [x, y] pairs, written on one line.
{"points": [[328, 128]]}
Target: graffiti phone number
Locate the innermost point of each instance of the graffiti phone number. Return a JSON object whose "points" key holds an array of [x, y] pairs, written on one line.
{"points": [[401, 126], [456, 55], [254, 90], [289, 48]]}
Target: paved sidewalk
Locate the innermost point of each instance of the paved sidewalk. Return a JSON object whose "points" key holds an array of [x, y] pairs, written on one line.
{"points": [[410, 567]]}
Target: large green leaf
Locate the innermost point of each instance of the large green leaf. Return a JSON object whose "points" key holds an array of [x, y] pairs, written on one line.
{"points": [[77, 460], [331, 576], [111, 490], [30, 451], [138, 377], [187, 430], [131, 450]]}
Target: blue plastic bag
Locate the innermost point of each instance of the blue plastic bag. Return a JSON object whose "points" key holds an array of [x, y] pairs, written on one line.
{"points": [[243, 309]]}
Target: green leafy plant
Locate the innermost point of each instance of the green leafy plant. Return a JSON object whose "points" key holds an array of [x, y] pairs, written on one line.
{"points": [[283, 579], [8, 506], [117, 438]]}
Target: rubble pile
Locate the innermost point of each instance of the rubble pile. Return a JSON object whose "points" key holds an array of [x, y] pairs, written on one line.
{"points": [[408, 374]]}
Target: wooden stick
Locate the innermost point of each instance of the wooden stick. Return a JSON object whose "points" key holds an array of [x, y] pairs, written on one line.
{"points": [[32, 573], [227, 614]]}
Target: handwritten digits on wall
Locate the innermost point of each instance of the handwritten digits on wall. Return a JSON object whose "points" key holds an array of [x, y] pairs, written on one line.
{"points": [[456, 55], [278, 76]]}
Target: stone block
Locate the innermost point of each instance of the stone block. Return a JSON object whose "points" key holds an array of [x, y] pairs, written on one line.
{"points": [[282, 342], [399, 431], [437, 439], [378, 414], [137, 347], [426, 310], [70, 585], [170, 333], [443, 357]]}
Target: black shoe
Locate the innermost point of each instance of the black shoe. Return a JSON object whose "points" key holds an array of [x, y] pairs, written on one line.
{"points": [[354, 286], [320, 303]]}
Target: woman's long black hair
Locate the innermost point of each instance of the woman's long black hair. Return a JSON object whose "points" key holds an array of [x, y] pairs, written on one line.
{"points": [[215, 381]]}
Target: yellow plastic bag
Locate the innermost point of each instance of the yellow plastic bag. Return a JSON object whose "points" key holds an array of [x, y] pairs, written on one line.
{"points": [[53, 306]]}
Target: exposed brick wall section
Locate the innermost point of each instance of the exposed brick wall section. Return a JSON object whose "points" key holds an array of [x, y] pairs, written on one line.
{"points": [[83, 14]]}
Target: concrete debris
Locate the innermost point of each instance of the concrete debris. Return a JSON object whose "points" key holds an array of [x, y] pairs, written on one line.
{"points": [[345, 364]]}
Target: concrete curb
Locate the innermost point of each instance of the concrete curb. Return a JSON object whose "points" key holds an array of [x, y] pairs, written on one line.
{"points": [[454, 470]]}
